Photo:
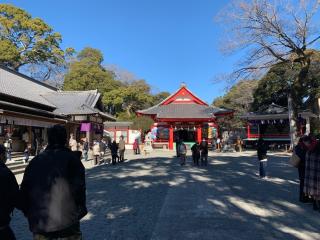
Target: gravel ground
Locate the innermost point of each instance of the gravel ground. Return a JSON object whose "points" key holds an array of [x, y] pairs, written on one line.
{"points": [[155, 198]]}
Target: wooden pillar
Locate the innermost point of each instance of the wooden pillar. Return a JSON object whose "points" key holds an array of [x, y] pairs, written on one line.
{"points": [[171, 138], [199, 133]]}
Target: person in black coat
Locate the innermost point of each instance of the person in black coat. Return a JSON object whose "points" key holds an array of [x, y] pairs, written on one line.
{"points": [[53, 190], [204, 152], [195, 153], [9, 190], [301, 150], [262, 149], [114, 152]]}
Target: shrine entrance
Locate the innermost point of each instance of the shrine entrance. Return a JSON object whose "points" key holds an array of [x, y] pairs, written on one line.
{"points": [[183, 116], [185, 135]]}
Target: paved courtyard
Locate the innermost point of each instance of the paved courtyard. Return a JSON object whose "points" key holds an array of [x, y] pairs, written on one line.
{"points": [[155, 198]]}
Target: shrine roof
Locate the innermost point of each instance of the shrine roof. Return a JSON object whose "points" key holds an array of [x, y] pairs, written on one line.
{"points": [[183, 104], [274, 111]]}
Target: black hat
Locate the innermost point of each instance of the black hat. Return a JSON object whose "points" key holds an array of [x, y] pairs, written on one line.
{"points": [[2, 149]]}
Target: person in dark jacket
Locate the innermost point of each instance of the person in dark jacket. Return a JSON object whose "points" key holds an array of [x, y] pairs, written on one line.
{"points": [[53, 190], [204, 152], [262, 149], [85, 149], [301, 151], [195, 153], [114, 152], [9, 190]]}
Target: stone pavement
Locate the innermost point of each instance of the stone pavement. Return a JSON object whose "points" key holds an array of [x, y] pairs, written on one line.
{"points": [[155, 198]]}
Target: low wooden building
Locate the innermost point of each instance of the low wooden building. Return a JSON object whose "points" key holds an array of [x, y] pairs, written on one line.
{"points": [[28, 107], [272, 124]]}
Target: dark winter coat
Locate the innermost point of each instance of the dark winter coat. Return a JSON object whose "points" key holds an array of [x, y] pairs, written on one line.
{"points": [[114, 149], [9, 190], [262, 149], [195, 150], [53, 190], [204, 148]]}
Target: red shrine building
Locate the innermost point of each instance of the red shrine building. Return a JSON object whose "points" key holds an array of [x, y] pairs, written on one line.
{"points": [[183, 116]]}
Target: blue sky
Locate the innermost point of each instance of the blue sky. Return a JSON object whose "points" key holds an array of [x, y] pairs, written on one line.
{"points": [[165, 42]]}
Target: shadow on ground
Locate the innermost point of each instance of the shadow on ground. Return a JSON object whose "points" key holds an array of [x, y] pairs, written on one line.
{"points": [[156, 198]]}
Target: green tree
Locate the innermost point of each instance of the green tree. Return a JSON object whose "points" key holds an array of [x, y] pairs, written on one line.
{"points": [[239, 98], [275, 32], [87, 73], [274, 86], [129, 98], [159, 97], [25, 40]]}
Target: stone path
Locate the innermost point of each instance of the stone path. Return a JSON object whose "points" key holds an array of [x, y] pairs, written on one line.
{"points": [[155, 198]]}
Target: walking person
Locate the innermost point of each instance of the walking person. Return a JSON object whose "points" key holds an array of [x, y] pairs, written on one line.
{"points": [[135, 146], [301, 150], [219, 144], [312, 175], [26, 153], [204, 152], [114, 152], [85, 149], [73, 143], [183, 153], [96, 152], [53, 191], [8, 146], [122, 148], [195, 153], [9, 191], [262, 149]]}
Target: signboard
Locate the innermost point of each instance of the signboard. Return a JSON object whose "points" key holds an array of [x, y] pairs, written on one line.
{"points": [[80, 118]]}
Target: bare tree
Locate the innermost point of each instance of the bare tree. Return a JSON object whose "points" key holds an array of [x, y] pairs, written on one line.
{"points": [[273, 32]]}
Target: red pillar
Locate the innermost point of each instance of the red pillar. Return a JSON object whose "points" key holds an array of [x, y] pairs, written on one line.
{"points": [[171, 138], [248, 130], [199, 134]]}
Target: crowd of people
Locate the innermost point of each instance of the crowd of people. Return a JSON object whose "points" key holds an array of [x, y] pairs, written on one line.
{"points": [[306, 158], [199, 152], [52, 195], [308, 154], [99, 149]]}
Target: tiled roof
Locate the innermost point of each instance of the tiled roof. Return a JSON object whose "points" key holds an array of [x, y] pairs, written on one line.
{"points": [[74, 102], [184, 111], [22, 87]]}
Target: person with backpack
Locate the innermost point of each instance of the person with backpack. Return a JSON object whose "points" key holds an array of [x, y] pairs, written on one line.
{"points": [[204, 152], [183, 153], [262, 149], [9, 192], [53, 190], [195, 153]]}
